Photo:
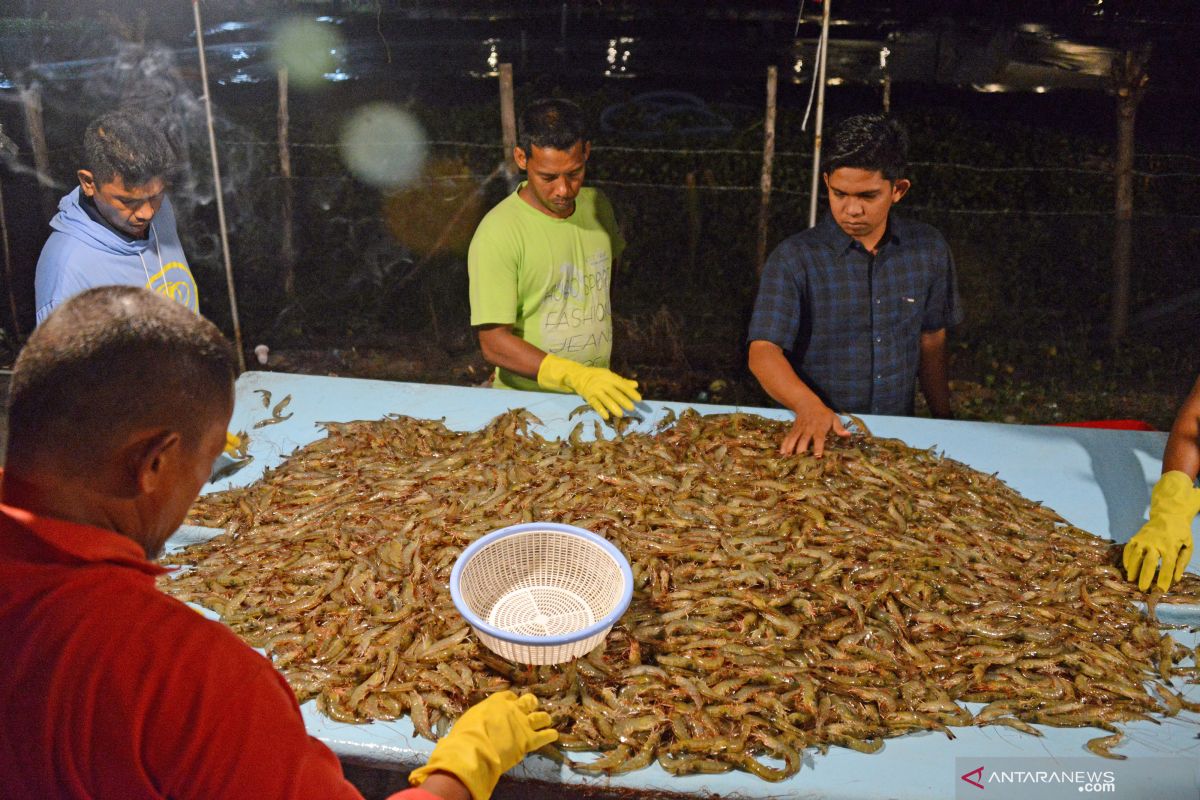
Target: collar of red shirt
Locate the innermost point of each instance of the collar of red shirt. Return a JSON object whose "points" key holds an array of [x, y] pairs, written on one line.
{"points": [[84, 542]]}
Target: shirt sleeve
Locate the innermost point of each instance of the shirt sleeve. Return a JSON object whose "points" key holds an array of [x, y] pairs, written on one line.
{"points": [[608, 220], [943, 306], [779, 304], [492, 261], [55, 280]]}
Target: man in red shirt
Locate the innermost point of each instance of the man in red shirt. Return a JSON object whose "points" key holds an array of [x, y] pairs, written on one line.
{"points": [[108, 688]]}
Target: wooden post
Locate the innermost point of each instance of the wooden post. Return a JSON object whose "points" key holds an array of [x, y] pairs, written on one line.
{"points": [[1129, 79], [693, 213], [31, 100], [8, 272], [764, 209], [884, 52], [508, 119], [285, 172]]}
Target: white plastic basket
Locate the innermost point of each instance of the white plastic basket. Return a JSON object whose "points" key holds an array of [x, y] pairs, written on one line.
{"points": [[541, 592]]}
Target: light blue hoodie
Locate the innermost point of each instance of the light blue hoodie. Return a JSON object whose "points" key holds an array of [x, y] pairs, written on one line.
{"points": [[83, 253]]}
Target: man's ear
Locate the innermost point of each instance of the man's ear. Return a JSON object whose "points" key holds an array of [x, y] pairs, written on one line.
{"points": [[900, 188], [87, 182], [520, 157], [825, 178], [147, 460], [587, 150]]}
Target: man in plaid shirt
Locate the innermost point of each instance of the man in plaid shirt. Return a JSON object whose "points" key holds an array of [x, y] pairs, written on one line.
{"points": [[851, 313]]}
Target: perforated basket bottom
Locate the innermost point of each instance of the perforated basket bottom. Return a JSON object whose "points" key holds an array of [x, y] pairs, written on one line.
{"points": [[541, 611]]}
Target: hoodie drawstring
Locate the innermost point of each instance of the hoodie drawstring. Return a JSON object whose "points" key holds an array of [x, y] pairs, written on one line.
{"points": [[161, 271]]}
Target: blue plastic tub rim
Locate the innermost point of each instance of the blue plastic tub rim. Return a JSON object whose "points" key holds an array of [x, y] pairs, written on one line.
{"points": [[544, 641]]}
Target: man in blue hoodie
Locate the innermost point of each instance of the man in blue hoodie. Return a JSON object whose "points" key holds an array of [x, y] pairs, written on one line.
{"points": [[117, 227]]}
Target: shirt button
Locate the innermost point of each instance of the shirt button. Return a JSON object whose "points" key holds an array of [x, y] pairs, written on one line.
{"points": [[878, 338]]}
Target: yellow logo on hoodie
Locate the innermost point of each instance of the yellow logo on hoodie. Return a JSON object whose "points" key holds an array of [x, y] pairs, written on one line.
{"points": [[175, 282]]}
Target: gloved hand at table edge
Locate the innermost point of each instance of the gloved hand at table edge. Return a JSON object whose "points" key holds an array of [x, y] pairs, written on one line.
{"points": [[492, 737], [1168, 534], [603, 389]]}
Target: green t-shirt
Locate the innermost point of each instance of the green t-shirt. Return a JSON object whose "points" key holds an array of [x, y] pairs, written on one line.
{"points": [[547, 277]]}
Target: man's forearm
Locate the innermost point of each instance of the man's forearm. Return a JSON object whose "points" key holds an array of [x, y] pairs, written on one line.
{"points": [[814, 420], [932, 373], [777, 378], [1183, 446], [504, 349]]}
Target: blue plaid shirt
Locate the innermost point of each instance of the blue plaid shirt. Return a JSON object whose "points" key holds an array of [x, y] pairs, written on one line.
{"points": [[851, 323]]}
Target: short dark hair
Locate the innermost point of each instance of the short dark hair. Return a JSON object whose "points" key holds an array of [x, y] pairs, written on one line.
{"points": [[554, 123], [128, 143], [107, 362], [868, 141]]}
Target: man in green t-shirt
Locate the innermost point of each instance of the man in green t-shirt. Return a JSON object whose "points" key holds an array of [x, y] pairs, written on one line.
{"points": [[541, 264]]}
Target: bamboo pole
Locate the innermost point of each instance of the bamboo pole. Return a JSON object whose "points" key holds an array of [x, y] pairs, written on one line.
{"points": [[508, 119], [764, 209], [212, 152], [822, 58], [31, 102], [1129, 84], [285, 171]]}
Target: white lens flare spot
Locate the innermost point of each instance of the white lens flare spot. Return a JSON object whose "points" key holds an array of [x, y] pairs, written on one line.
{"points": [[308, 49], [383, 146]]}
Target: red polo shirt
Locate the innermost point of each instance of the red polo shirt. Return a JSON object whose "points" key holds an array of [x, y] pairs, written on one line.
{"points": [[111, 689]]}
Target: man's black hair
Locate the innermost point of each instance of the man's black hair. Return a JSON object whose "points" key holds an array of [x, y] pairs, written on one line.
{"points": [[109, 361], [868, 141], [554, 123], [128, 143]]}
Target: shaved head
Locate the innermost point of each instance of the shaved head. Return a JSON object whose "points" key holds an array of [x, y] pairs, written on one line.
{"points": [[108, 363]]}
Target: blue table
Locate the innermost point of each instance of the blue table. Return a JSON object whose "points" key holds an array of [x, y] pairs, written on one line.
{"points": [[1099, 480]]}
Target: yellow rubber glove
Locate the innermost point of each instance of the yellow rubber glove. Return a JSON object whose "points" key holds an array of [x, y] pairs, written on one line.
{"points": [[603, 389], [232, 441], [1168, 534], [488, 740]]}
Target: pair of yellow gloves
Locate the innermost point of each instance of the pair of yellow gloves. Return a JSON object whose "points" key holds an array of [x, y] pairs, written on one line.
{"points": [[1167, 537], [603, 389], [491, 738]]}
